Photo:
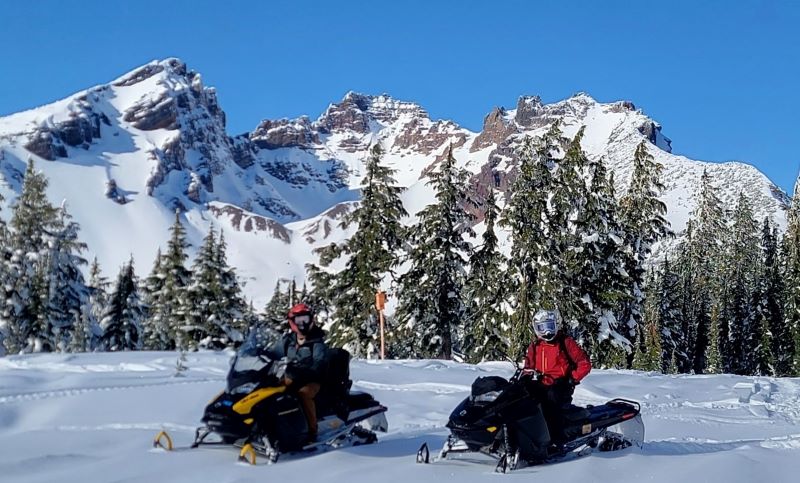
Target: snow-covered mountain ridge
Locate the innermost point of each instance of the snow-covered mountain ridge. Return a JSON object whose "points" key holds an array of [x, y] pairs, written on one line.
{"points": [[126, 154]]}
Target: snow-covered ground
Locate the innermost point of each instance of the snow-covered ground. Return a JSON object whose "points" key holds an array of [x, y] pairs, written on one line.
{"points": [[92, 417]]}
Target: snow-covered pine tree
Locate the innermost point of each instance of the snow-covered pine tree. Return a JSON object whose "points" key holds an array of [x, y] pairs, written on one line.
{"points": [[372, 254], [202, 297], [431, 292], [598, 283], [685, 275], [704, 249], [560, 278], [486, 325], [742, 255], [214, 304], [24, 313], [99, 286], [772, 291], [122, 318], [643, 218], [5, 258], [649, 355], [232, 306], [714, 363], [68, 292], [526, 216], [156, 328], [168, 305], [667, 291], [791, 274], [277, 308]]}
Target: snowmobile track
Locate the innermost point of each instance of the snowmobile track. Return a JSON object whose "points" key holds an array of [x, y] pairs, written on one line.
{"points": [[35, 396]]}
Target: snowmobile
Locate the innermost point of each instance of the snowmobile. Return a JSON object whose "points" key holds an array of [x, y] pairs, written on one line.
{"points": [[260, 415], [502, 420]]}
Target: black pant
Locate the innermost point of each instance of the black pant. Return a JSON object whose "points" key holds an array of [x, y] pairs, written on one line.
{"points": [[554, 399]]}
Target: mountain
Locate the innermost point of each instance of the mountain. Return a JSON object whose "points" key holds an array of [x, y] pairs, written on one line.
{"points": [[125, 155]]}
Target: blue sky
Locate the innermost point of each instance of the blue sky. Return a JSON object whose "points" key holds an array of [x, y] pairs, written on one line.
{"points": [[721, 76]]}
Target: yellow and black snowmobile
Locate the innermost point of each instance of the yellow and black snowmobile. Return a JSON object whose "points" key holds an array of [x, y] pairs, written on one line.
{"points": [[260, 415]]}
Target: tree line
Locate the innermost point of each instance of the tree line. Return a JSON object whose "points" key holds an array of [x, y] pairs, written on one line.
{"points": [[49, 306], [726, 298]]}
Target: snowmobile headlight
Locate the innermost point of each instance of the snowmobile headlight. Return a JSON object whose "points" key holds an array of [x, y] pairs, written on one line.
{"points": [[487, 397], [244, 388]]}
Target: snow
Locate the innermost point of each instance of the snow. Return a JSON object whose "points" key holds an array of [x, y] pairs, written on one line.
{"points": [[92, 417]]}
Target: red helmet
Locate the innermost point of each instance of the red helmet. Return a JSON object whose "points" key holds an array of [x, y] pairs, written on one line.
{"points": [[301, 319]]}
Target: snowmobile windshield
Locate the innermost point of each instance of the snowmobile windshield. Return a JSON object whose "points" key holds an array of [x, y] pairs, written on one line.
{"points": [[253, 355], [244, 363]]}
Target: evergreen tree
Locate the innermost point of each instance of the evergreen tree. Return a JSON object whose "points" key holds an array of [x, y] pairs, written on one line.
{"points": [[642, 216], [5, 259], [667, 291], [24, 315], [598, 285], [232, 305], [702, 252], [67, 290], [526, 217], [214, 304], [791, 275], [168, 305], [430, 292], [648, 356], [277, 308], [99, 285], [123, 316], [156, 331], [741, 272], [713, 356], [764, 364], [372, 254], [486, 329], [772, 290]]}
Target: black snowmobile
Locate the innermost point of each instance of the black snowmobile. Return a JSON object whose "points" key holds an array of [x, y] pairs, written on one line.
{"points": [[502, 420], [260, 415]]}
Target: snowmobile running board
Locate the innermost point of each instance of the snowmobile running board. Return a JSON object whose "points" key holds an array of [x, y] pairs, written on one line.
{"points": [[249, 452]]}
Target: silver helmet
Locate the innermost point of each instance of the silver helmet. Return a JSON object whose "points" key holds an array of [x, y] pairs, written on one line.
{"points": [[546, 324]]}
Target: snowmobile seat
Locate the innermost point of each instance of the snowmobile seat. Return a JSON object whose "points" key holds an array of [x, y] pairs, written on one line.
{"points": [[336, 384], [359, 400], [574, 414], [338, 373]]}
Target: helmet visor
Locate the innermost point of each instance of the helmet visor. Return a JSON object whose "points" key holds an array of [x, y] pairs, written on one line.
{"points": [[546, 327], [302, 321], [545, 324]]}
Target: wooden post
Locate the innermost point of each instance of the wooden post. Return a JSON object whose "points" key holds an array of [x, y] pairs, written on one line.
{"points": [[380, 303]]}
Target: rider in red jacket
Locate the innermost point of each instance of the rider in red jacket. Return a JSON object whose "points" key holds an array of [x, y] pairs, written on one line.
{"points": [[557, 363]]}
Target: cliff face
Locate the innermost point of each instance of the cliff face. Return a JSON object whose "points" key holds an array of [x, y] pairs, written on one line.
{"points": [[126, 154]]}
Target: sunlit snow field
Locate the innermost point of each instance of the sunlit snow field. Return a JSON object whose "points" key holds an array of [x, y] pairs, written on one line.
{"points": [[91, 418]]}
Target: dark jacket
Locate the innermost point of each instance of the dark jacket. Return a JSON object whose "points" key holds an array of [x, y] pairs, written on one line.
{"points": [[307, 362], [562, 358]]}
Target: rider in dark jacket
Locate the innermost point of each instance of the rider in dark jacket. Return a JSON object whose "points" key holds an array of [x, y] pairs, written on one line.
{"points": [[305, 350]]}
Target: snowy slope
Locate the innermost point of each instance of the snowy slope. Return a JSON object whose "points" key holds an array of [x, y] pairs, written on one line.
{"points": [[125, 155], [91, 417]]}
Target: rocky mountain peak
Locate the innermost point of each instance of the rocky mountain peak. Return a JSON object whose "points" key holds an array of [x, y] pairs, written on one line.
{"points": [[356, 111]]}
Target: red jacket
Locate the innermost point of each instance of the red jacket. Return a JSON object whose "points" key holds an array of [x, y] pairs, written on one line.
{"points": [[550, 359]]}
